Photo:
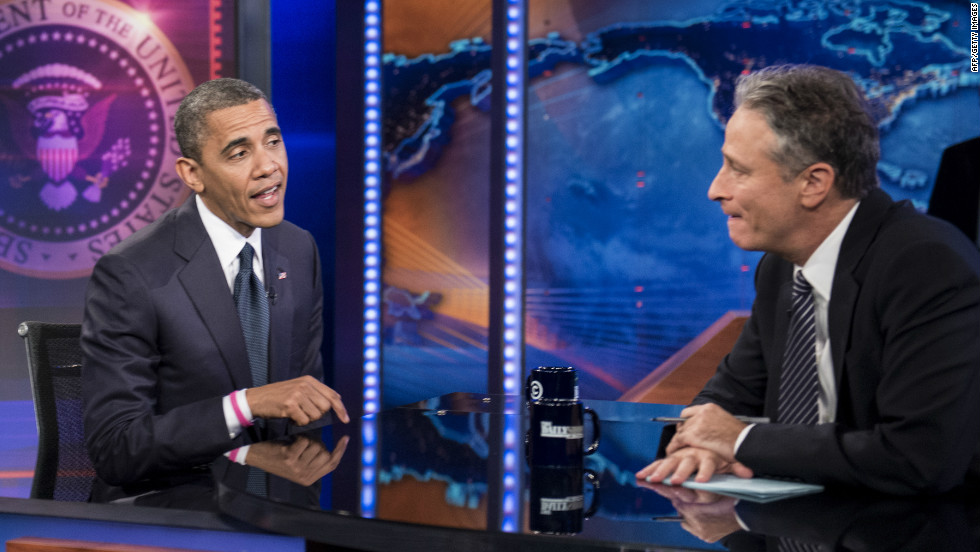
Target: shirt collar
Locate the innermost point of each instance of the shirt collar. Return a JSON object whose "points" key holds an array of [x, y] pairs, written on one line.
{"points": [[226, 240], [820, 267]]}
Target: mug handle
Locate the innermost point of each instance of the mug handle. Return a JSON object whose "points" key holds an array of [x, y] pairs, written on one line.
{"points": [[594, 446], [593, 478]]}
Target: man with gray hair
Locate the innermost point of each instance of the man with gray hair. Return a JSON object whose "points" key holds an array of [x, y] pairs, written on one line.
{"points": [[863, 346], [206, 325]]}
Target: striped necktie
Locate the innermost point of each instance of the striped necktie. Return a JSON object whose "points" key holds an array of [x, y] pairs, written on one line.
{"points": [[799, 386]]}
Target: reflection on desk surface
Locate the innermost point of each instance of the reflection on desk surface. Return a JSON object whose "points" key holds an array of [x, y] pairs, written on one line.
{"points": [[438, 465]]}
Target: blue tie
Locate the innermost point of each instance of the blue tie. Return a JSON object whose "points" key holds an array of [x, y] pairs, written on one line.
{"points": [[253, 312], [799, 385]]}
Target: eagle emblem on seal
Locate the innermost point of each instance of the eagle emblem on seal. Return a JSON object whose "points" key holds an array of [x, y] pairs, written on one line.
{"points": [[60, 119]]}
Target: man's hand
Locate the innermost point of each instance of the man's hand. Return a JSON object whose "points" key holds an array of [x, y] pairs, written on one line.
{"points": [[303, 400], [683, 463], [708, 427], [703, 445], [303, 461]]}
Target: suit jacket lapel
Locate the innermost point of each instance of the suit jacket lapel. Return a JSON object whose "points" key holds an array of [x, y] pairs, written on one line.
{"points": [[784, 306], [276, 268], [862, 231], [205, 284]]}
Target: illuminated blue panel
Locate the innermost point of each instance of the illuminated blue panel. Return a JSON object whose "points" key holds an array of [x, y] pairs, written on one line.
{"points": [[372, 252], [513, 319]]}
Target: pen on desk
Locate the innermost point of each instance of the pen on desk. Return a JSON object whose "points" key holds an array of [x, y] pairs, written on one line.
{"points": [[678, 419]]}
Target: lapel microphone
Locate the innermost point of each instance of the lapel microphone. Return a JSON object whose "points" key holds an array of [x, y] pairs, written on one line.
{"points": [[271, 292]]}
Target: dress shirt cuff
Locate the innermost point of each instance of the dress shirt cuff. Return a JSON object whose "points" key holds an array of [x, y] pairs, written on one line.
{"points": [[238, 455], [238, 415], [741, 437]]}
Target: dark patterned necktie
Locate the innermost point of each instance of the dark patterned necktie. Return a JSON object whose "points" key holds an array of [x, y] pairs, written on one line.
{"points": [[799, 386], [253, 311]]}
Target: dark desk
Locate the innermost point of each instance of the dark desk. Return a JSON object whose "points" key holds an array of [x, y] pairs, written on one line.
{"points": [[112, 523], [436, 476]]}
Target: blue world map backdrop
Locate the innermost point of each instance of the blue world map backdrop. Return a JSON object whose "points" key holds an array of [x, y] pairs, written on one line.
{"points": [[626, 258]]}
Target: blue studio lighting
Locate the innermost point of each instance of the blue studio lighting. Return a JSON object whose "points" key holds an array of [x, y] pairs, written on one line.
{"points": [[513, 319], [372, 253]]}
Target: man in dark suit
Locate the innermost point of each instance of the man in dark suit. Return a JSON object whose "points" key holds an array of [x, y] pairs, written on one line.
{"points": [[167, 384], [889, 372], [956, 193]]}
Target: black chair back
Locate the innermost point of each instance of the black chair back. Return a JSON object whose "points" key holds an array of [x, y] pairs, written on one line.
{"points": [[54, 359]]}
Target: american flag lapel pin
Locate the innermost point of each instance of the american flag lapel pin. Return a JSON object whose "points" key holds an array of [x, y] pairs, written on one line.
{"points": [[282, 275]]}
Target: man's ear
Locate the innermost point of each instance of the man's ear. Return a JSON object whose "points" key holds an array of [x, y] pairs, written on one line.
{"points": [[818, 184], [189, 171]]}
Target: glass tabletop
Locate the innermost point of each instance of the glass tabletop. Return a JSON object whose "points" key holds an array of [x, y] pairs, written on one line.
{"points": [[464, 471]]}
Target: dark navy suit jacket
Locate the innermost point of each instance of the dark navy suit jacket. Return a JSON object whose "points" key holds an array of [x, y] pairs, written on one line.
{"points": [[904, 325], [163, 343], [956, 194]]}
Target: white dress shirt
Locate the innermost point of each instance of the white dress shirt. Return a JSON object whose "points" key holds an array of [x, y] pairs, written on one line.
{"points": [[228, 243], [819, 271]]}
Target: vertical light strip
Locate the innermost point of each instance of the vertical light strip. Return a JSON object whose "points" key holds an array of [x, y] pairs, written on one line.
{"points": [[215, 26], [513, 319], [372, 252]]}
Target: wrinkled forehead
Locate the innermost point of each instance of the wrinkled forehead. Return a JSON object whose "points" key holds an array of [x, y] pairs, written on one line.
{"points": [[247, 122], [747, 133]]}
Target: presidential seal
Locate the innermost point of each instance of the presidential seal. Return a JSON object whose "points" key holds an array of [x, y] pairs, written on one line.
{"points": [[88, 92]]}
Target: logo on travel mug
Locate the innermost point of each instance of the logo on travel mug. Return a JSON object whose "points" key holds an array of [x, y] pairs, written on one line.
{"points": [[537, 390], [557, 433]]}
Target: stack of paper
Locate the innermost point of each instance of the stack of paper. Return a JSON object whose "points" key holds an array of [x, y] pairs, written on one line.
{"points": [[756, 489]]}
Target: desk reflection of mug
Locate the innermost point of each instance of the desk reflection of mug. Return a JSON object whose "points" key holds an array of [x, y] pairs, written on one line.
{"points": [[557, 499], [556, 436]]}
